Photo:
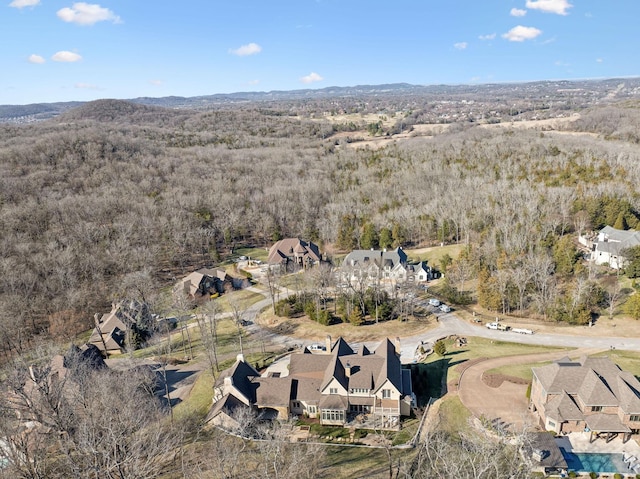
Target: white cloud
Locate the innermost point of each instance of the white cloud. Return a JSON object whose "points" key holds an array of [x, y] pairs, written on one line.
{"points": [[253, 82], [36, 59], [66, 57], [156, 82], [87, 86], [490, 36], [518, 12], [559, 63], [599, 60], [87, 14], [24, 3], [311, 78], [550, 6], [520, 33], [245, 50], [460, 45]]}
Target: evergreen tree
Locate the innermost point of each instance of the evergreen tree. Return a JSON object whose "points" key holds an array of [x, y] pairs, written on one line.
{"points": [[385, 238], [632, 306], [369, 237]]}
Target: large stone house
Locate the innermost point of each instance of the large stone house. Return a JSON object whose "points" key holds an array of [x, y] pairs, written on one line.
{"points": [[609, 245], [294, 253], [126, 319], [202, 283], [370, 266], [592, 394], [336, 386]]}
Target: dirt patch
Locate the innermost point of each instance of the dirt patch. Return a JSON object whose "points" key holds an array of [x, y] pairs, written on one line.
{"points": [[496, 380]]}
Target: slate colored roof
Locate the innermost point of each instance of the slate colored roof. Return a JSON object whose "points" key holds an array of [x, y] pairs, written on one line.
{"points": [[241, 375], [365, 257], [617, 240], [288, 248]]}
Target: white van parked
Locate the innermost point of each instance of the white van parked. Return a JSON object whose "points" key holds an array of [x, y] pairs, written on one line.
{"points": [[434, 302]]}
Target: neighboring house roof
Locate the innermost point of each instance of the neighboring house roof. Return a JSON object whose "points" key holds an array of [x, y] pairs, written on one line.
{"points": [[611, 240], [218, 273], [113, 325], [288, 248], [381, 258], [595, 381]]}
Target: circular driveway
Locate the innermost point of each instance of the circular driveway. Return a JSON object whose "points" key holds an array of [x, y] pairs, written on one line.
{"points": [[506, 406]]}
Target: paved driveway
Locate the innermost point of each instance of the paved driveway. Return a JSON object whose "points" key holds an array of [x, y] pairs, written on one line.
{"points": [[506, 405]]}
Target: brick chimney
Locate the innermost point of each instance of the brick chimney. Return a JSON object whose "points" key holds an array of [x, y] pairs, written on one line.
{"points": [[328, 343]]}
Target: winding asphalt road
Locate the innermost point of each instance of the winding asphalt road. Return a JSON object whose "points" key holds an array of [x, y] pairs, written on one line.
{"points": [[450, 324]]}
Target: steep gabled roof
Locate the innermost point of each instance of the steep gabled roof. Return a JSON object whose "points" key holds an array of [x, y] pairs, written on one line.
{"points": [[283, 249], [595, 381], [381, 258], [241, 374], [391, 367], [563, 408], [629, 393], [594, 391]]}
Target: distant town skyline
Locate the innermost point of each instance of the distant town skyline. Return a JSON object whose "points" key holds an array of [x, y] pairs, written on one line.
{"points": [[55, 50]]}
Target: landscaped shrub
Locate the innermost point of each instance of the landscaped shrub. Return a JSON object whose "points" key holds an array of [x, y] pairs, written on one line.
{"points": [[573, 474], [360, 433], [593, 475]]}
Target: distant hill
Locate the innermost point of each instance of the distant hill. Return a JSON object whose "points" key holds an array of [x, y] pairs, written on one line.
{"points": [[594, 89], [114, 111]]}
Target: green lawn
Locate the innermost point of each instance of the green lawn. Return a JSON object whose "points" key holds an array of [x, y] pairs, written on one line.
{"points": [[627, 360], [437, 366], [433, 255], [242, 299], [453, 417], [252, 253]]}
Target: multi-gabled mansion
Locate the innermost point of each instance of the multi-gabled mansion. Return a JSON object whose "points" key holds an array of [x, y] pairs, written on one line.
{"points": [[336, 386], [592, 395], [384, 266]]}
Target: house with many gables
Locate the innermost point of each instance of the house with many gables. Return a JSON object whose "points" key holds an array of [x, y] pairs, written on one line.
{"points": [[592, 394], [609, 245], [337, 386], [291, 254], [371, 266]]}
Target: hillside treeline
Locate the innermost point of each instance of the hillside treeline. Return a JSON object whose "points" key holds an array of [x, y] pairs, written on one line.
{"points": [[115, 199]]}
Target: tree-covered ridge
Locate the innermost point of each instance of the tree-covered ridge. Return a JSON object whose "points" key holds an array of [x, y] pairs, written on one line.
{"points": [[129, 195]]}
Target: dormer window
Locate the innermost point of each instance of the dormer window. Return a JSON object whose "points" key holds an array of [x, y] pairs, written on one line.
{"points": [[596, 408], [333, 390]]}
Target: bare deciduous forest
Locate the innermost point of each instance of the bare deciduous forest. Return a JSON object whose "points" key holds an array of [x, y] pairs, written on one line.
{"points": [[115, 199], [114, 196]]}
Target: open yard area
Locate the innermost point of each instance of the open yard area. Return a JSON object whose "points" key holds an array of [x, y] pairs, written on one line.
{"points": [[305, 329]]}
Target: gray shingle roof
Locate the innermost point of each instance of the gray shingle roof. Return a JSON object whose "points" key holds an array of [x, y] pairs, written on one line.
{"points": [[596, 381], [389, 258]]}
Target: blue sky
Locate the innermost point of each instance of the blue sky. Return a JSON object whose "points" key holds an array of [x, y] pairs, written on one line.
{"points": [[58, 50]]}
